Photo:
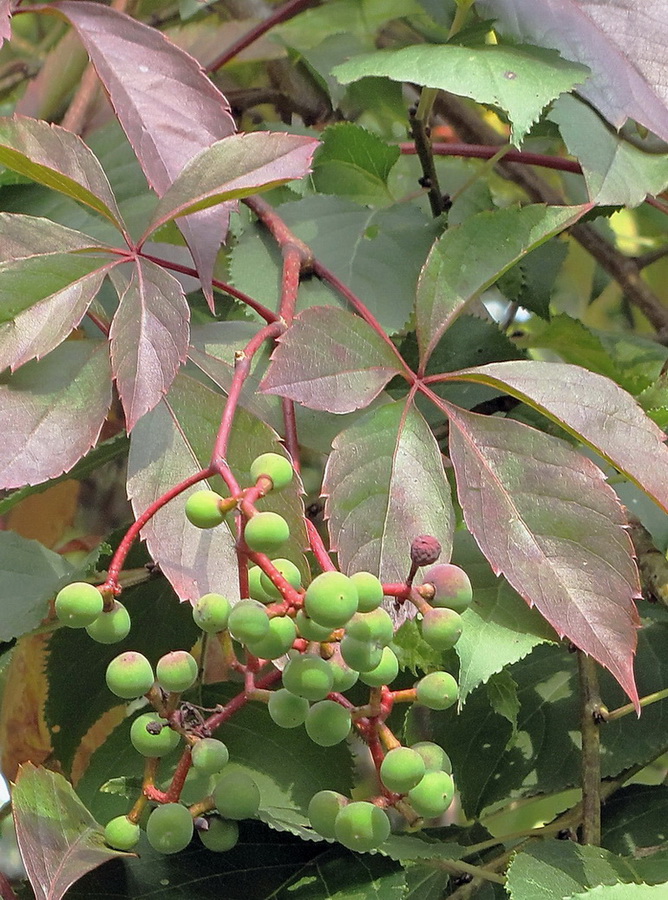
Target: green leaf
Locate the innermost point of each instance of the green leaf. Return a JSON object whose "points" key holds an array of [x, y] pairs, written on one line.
{"points": [[354, 163], [502, 693], [469, 259], [634, 819], [420, 846], [540, 269], [622, 892], [331, 360], [385, 485], [521, 80], [412, 651], [59, 839]]}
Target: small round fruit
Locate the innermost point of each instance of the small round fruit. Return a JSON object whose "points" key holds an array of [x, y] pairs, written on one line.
{"points": [[309, 629], [286, 709], [308, 676], [385, 672], [361, 656], [361, 826], [209, 755], [375, 626], [146, 742], [220, 836], [344, 676], [112, 626], [331, 599], [323, 810], [435, 758], [176, 671], [452, 588], [441, 628], [369, 591], [266, 532], [203, 509], [328, 723], [274, 466], [129, 675], [121, 834], [248, 621], [255, 589], [278, 640], [78, 604], [433, 795], [401, 770], [211, 612], [169, 828], [288, 570], [236, 796], [437, 691], [425, 550], [196, 787]]}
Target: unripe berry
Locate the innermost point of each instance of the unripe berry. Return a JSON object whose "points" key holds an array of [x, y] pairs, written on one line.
{"points": [[288, 570], [196, 787], [129, 675], [112, 626], [433, 795], [327, 723], [441, 628], [361, 826], [236, 796], [278, 640], [323, 810], [203, 509], [308, 676], [361, 656], [401, 770], [375, 626], [78, 604], [331, 599], [266, 532], [220, 836], [287, 710], [369, 591], [309, 629], [248, 621], [209, 755], [425, 550], [151, 736], [176, 671], [211, 612], [169, 828], [452, 588], [385, 672], [121, 834], [344, 676], [255, 589], [276, 467], [435, 758], [437, 691]]}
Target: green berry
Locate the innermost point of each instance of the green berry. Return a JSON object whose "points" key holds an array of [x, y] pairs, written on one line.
{"points": [[203, 509], [375, 627], [176, 671], [196, 787], [331, 599], [278, 640], [323, 810], [369, 590], [169, 828], [441, 628], [433, 795], [248, 621], [361, 656], [286, 709], [328, 723], [344, 676], [361, 826], [121, 834], [129, 675], [452, 588], [211, 612], [112, 626], [288, 570], [221, 834], [385, 672], [255, 589], [266, 532], [435, 758], [149, 744], [209, 755], [308, 676], [401, 770], [236, 796], [78, 604], [437, 691], [276, 467], [309, 629]]}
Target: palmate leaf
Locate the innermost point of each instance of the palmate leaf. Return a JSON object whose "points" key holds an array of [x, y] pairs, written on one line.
{"points": [[332, 360], [622, 43], [149, 335], [54, 410], [166, 105], [545, 518]]}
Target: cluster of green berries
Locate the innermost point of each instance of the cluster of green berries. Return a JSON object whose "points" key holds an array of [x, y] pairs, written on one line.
{"points": [[81, 605]]}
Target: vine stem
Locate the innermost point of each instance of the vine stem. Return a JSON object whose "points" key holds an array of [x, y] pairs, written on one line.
{"points": [[590, 719], [629, 707], [319, 550], [484, 151], [241, 699]]}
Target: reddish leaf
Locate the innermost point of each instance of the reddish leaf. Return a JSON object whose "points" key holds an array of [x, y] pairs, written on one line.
{"points": [[149, 336], [545, 518], [5, 20], [31, 236], [58, 838], [594, 409], [53, 410], [235, 167], [166, 105], [332, 360], [624, 45], [58, 159]]}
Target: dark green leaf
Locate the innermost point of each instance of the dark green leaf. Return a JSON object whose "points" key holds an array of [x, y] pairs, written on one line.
{"points": [[354, 163], [634, 819]]}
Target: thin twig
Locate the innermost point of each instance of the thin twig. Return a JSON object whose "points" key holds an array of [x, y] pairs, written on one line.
{"points": [[590, 719]]}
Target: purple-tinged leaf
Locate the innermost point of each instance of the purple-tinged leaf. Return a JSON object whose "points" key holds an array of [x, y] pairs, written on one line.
{"points": [[470, 258], [52, 411], [594, 409], [235, 167], [5, 21], [332, 360], [545, 518], [33, 236], [58, 838], [166, 105], [60, 160], [385, 485], [149, 335], [623, 43]]}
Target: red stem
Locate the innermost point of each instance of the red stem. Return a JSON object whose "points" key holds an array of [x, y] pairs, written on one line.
{"points": [[483, 151], [241, 699], [319, 550]]}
